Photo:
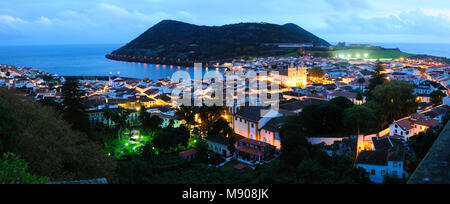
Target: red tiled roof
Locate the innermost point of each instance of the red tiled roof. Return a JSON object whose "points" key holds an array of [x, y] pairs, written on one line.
{"points": [[415, 115], [254, 142], [250, 150], [428, 123], [188, 153], [405, 124]]}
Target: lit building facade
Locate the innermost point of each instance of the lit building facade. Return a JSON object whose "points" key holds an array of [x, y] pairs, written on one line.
{"points": [[296, 76]]}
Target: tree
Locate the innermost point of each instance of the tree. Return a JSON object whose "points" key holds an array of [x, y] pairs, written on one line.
{"points": [[8, 130], [359, 97], [342, 102], [422, 142], [119, 117], [304, 163], [202, 149], [231, 143], [148, 153], [172, 138], [50, 146], [148, 121], [51, 103], [396, 100], [188, 114], [361, 82], [293, 141], [317, 72], [208, 117], [73, 109], [221, 127], [322, 119], [358, 118], [437, 97], [378, 78], [14, 170]]}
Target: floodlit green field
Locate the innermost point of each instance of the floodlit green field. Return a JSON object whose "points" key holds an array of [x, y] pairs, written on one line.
{"points": [[356, 54], [369, 54]]}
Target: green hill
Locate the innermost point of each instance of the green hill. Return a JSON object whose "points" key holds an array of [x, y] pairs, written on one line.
{"points": [[174, 42]]}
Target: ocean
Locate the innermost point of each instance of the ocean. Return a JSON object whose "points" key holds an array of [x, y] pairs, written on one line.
{"points": [[89, 60], [83, 60]]}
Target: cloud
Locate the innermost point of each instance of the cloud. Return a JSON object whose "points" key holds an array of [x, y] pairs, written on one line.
{"points": [[120, 21], [44, 20], [424, 27], [410, 22], [70, 14], [345, 5], [119, 14], [11, 20]]}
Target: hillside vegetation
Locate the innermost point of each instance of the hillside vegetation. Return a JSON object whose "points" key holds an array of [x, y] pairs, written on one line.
{"points": [[48, 143], [177, 42]]}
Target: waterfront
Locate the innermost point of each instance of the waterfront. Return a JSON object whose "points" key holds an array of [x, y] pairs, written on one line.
{"points": [[82, 60], [89, 60]]}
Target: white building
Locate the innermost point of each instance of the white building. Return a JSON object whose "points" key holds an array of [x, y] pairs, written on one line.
{"points": [[380, 164], [411, 126], [219, 145], [251, 122]]}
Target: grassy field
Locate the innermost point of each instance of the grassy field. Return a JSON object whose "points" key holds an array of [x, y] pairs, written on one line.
{"points": [[369, 54], [356, 54]]}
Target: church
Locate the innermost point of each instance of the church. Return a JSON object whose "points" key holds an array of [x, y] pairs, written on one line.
{"points": [[294, 76]]}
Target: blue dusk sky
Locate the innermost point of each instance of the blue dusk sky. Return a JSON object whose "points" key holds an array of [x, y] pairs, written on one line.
{"points": [[25, 22]]}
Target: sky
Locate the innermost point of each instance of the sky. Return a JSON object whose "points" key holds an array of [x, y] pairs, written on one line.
{"points": [[48, 22]]}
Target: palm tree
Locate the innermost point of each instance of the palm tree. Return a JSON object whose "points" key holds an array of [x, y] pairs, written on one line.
{"points": [[208, 117], [119, 118], [361, 82], [188, 114]]}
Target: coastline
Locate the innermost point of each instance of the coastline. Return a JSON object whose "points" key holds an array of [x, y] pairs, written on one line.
{"points": [[150, 61], [99, 78]]}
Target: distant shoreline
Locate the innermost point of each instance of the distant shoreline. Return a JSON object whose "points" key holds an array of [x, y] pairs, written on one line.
{"points": [[99, 78], [150, 61]]}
